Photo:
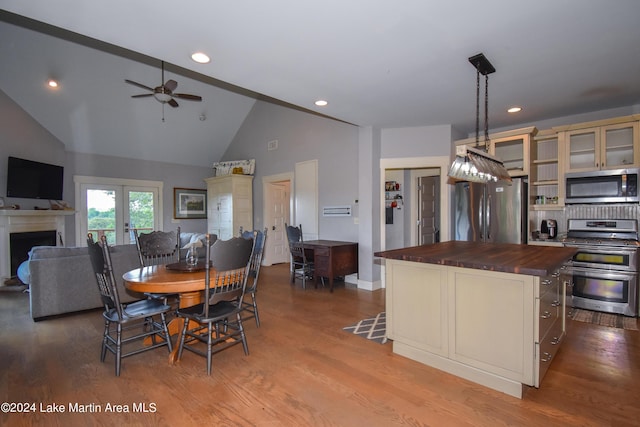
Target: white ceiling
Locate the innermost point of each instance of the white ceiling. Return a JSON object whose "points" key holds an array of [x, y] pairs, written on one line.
{"points": [[377, 62]]}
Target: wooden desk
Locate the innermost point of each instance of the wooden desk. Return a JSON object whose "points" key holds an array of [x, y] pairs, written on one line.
{"points": [[157, 279], [333, 258]]}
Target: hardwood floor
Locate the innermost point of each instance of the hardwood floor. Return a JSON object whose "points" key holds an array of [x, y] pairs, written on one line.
{"points": [[302, 370]]}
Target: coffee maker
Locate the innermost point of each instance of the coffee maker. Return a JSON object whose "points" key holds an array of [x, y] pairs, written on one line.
{"points": [[549, 227]]}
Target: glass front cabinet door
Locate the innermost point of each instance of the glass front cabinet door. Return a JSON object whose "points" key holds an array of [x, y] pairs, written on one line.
{"points": [[611, 146]]}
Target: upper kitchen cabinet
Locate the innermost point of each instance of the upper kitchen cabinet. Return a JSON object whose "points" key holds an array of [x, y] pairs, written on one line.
{"points": [[229, 204], [605, 144], [546, 177], [512, 147]]}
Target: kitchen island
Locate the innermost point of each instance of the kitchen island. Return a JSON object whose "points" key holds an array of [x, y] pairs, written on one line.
{"points": [[492, 313]]}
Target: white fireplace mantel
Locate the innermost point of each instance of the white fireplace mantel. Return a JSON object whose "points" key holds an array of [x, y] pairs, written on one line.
{"points": [[23, 221]]}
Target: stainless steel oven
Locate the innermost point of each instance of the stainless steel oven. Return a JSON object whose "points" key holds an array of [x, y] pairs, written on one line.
{"points": [[604, 290], [604, 271]]}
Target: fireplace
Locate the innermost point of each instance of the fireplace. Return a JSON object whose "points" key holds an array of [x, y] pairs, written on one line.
{"points": [[21, 243], [30, 223]]}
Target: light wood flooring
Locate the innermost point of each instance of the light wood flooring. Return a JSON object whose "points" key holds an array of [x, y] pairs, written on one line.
{"points": [[303, 370]]}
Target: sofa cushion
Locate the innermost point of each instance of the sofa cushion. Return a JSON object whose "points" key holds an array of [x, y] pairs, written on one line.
{"points": [[188, 238]]}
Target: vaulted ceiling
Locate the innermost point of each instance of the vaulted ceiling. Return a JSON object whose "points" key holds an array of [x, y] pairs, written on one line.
{"points": [[377, 63]]}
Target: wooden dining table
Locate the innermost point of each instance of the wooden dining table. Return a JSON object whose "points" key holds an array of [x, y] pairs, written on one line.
{"points": [[188, 282]]}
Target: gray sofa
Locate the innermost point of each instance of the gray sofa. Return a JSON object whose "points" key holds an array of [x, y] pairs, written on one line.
{"points": [[61, 280]]}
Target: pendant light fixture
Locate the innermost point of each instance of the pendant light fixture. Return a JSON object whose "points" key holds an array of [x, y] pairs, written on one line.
{"points": [[473, 164]]}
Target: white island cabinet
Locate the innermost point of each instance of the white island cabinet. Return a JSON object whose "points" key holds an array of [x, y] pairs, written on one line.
{"points": [[499, 329]]}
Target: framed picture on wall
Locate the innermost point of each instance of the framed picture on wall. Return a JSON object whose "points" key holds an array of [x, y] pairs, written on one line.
{"points": [[189, 203]]}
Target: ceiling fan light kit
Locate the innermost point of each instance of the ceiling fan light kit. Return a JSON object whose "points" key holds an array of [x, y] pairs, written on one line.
{"points": [[164, 93]]}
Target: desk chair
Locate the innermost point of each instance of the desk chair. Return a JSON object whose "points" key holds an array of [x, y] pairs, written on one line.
{"points": [[301, 267], [251, 307], [212, 322], [133, 322]]}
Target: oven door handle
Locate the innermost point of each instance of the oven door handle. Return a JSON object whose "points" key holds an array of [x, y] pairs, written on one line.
{"points": [[605, 274], [601, 250]]}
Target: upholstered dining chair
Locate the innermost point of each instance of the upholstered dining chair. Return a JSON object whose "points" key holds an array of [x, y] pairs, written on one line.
{"points": [[130, 323], [250, 308], [217, 322], [301, 267], [159, 247]]}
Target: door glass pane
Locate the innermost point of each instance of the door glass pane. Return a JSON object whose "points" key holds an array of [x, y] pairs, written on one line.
{"points": [[101, 214], [141, 212]]}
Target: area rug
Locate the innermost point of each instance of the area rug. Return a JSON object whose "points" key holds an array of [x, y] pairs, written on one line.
{"points": [[605, 319], [373, 329]]}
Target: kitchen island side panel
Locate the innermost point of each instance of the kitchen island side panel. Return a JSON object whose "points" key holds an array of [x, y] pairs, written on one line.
{"points": [[475, 324]]}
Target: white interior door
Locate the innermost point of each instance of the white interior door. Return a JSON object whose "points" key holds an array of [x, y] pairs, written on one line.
{"points": [[277, 202], [306, 198]]}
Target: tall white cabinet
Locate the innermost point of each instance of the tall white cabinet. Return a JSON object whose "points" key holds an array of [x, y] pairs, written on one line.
{"points": [[229, 204]]}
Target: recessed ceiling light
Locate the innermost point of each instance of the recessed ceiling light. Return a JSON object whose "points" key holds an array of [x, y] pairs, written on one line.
{"points": [[52, 83], [321, 103], [514, 110], [200, 58]]}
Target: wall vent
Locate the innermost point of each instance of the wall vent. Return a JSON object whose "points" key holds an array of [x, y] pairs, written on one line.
{"points": [[336, 210]]}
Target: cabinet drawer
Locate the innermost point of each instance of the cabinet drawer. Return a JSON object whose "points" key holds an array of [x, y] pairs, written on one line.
{"points": [[549, 283], [549, 312], [549, 346], [321, 251]]}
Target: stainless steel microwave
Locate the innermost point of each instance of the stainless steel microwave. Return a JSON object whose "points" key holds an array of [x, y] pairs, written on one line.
{"points": [[608, 186]]}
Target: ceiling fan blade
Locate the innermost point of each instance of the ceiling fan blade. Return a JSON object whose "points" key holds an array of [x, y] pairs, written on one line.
{"points": [[187, 96], [171, 85], [144, 95], [131, 82], [173, 103]]}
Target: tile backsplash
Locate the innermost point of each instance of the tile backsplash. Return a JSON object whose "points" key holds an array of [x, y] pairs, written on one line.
{"points": [[612, 211]]}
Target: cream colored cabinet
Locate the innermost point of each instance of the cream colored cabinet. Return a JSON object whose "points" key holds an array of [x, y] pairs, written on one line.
{"points": [[551, 322], [546, 189], [607, 144], [425, 286], [497, 329], [512, 147], [229, 204]]}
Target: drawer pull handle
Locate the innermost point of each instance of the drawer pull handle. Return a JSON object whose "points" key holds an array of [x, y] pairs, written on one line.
{"points": [[545, 315], [546, 282], [555, 303], [555, 341], [546, 357]]}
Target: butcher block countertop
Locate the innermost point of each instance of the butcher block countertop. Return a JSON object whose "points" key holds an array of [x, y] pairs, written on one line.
{"points": [[503, 257]]}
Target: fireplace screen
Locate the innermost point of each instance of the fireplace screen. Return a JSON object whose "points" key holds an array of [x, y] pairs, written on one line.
{"points": [[21, 244]]}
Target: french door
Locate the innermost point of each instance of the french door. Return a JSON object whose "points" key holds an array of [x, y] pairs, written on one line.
{"points": [[114, 208]]}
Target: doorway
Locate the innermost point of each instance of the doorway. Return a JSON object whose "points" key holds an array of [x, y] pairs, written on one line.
{"points": [[413, 168], [277, 212]]}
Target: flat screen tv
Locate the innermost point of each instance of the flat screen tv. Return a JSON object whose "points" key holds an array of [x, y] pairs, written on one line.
{"points": [[27, 179]]}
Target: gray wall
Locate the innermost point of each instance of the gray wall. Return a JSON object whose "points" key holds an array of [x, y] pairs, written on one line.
{"points": [[302, 136], [23, 137]]}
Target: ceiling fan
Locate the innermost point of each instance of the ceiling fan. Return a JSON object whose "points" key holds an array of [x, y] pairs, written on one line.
{"points": [[164, 93]]}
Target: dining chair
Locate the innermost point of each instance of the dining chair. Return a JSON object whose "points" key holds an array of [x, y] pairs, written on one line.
{"points": [[250, 308], [301, 267], [217, 322], [156, 248], [125, 324]]}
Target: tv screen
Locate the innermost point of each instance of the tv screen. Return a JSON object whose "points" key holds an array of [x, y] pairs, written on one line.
{"points": [[27, 179]]}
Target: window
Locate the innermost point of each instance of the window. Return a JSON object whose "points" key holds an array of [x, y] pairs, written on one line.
{"points": [[115, 207]]}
